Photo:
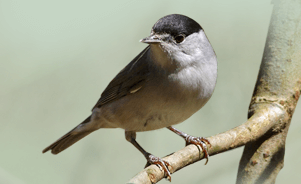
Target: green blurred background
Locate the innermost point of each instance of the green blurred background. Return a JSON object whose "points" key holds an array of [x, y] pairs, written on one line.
{"points": [[58, 56]]}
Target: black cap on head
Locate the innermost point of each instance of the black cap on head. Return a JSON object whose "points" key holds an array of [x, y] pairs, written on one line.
{"points": [[176, 24]]}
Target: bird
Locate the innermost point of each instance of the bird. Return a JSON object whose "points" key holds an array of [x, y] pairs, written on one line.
{"points": [[170, 80]]}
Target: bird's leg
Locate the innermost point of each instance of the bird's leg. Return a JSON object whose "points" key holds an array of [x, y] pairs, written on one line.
{"points": [[201, 141], [151, 159]]}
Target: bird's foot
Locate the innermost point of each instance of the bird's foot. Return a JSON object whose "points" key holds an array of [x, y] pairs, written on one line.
{"points": [[163, 165], [202, 142]]}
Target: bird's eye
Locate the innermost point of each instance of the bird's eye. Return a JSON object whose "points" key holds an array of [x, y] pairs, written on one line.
{"points": [[179, 38]]}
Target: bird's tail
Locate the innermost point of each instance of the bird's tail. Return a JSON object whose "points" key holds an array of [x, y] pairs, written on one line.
{"points": [[70, 138]]}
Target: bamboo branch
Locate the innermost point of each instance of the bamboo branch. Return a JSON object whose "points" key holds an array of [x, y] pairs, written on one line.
{"points": [[279, 80]]}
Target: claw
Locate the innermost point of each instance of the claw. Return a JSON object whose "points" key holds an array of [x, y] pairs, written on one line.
{"points": [[201, 141], [163, 165]]}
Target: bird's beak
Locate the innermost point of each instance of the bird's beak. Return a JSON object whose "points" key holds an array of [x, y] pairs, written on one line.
{"points": [[151, 39]]}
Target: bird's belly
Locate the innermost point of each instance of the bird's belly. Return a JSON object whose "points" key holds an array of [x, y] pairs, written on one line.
{"points": [[150, 110]]}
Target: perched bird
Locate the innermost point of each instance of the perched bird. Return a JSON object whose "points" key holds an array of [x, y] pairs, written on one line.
{"points": [[170, 80]]}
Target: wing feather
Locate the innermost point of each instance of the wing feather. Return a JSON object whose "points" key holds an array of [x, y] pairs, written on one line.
{"points": [[133, 75]]}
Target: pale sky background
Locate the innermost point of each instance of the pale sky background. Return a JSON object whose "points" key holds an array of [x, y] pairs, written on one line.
{"points": [[57, 57]]}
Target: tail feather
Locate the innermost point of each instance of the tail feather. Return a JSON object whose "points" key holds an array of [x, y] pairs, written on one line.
{"points": [[68, 139]]}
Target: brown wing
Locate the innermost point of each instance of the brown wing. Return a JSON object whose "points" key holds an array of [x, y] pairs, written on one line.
{"points": [[129, 80]]}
